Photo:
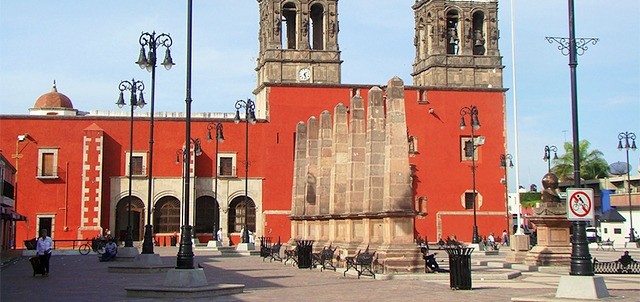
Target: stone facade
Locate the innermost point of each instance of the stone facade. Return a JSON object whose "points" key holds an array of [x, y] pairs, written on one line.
{"points": [[356, 179]]}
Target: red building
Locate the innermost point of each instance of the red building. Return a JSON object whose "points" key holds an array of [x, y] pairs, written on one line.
{"points": [[73, 172]]}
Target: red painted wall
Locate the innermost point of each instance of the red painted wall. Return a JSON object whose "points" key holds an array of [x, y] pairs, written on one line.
{"points": [[441, 176]]}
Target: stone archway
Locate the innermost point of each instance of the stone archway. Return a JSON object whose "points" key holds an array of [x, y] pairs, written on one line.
{"points": [[207, 220], [122, 218]]}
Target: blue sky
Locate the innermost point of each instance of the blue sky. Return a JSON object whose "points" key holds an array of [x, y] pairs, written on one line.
{"points": [[88, 47]]}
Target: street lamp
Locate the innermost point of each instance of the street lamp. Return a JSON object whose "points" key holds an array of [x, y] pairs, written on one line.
{"points": [[547, 155], [470, 147], [628, 136], [219, 139], [249, 117], [133, 86], [504, 159], [151, 41]]}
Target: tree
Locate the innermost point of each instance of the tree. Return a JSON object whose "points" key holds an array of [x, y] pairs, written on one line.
{"points": [[592, 163]]}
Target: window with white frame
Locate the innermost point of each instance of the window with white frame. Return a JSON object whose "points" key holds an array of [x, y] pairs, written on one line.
{"points": [[468, 148], [48, 163], [227, 164], [138, 164]]}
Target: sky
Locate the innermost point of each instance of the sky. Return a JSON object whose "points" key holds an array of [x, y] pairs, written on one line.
{"points": [[88, 47]]}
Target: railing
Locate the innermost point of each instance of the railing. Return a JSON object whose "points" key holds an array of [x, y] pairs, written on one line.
{"points": [[67, 244]]}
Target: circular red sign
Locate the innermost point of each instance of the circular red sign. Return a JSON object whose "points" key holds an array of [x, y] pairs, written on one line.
{"points": [[580, 204]]}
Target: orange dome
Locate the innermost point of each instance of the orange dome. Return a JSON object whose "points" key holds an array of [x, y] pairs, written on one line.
{"points": [[53, 99]]}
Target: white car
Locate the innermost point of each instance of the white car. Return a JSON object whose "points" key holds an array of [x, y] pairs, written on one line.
{"points": [[592, 235]]}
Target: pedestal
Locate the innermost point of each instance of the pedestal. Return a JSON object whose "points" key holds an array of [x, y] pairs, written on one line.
{"points": [[148, 260], [582, 287], [127, 252], [245, 247], [214, 243], [554, 241]]}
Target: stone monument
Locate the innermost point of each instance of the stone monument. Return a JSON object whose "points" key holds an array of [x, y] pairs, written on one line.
{"points": [[553, 227], [352, 181]]}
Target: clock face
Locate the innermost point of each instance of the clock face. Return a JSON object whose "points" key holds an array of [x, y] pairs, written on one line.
{"points": [[304, 74]]}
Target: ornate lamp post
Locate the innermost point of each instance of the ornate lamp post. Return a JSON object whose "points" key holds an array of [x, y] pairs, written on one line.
{"points": [[249, 117], [151, 42], [547, 155], [470, 147], [219, 139], [133, 86], [504, 159], [628, 136]]}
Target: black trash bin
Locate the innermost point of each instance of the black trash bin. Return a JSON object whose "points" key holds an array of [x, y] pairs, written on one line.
{"points": [[460, 267], [31, 244], [265, 247], [305, 250]]}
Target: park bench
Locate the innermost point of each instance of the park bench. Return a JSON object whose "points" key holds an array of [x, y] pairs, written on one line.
{"points": [[624, 265], [292, 255], [275, 252], [607, 243], [324, 258], [362, 263], [265, 247]]}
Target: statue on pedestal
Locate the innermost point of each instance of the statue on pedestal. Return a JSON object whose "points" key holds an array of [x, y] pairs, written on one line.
{"points": [[551, 204]]}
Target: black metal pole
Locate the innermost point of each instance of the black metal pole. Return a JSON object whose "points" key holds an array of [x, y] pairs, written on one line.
{"points": [[627, 136], [631, 233], [476, 236], [185, 251], [128, 241], [245, 235], [147, 244]]}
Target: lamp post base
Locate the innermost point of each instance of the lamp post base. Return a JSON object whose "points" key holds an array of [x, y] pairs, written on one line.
{"points": [[476, 238], [185, 252], [147, 244], [128, 241]]}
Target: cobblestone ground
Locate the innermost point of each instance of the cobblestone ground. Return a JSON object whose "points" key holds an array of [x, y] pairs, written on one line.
{"points": [[82, 278]]}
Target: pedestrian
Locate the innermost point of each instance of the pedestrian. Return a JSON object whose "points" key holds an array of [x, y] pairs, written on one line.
{"points": [[505, 238], [43, 249], [219, 235], [110, 250]]}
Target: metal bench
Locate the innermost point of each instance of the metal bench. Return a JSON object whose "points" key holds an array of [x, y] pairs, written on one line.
{"points": [[324, 258], [361, 263], [607, 243], [292, 255], [624, 265]]}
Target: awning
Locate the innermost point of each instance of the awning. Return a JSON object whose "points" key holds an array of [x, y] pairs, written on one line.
{"points": [[10, 214]]}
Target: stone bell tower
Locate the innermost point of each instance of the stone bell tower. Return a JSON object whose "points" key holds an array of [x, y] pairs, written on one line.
{"points": [[457, 44], [298, 42]]}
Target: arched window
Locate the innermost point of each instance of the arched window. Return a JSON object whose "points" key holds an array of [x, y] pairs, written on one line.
{"points": [[237, 214], [478, 33], [289, 16], [317, 26], [167, 215], [207, 215], [452, 32], [122, 217]]}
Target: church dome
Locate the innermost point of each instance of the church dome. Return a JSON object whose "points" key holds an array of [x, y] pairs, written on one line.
{"points": [[53, 99]]}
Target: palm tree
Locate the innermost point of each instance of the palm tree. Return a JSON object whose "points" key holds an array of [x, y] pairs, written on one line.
{"points": [[592, 163]]}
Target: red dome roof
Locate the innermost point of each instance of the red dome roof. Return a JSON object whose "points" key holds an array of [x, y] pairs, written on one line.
{"points": [[53, 99]]}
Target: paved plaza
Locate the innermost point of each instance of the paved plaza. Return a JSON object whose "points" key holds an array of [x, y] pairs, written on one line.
{"points": [[75, 277]]}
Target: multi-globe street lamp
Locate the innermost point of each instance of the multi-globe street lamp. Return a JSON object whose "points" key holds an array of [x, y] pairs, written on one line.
{"points": [[628, 136], [506, 163], [151, 42], [219, 139], [134, 101], [470, 148], [249, 117], [547, 155]]}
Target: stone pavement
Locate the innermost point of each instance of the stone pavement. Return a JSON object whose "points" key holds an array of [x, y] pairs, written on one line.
{"points": [[75, 277]]}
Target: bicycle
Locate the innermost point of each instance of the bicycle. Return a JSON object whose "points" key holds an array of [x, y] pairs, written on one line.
{"points": [[95, 245]]}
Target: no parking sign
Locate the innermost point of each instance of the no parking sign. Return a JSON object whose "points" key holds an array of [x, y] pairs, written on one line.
{"points": [[580, 204]]}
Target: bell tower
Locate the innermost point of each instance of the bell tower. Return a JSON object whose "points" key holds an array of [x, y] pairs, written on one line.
{"points": [[298, 42], [457, 44]]}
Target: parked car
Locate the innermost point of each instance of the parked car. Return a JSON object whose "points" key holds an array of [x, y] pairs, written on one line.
{"points": [[592, 235]]}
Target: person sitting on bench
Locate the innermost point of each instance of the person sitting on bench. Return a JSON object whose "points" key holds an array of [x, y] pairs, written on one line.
{"points": [[110, 250]]}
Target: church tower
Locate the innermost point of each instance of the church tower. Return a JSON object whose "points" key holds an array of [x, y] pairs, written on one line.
{"points": [[457, 44], [298, 42]]}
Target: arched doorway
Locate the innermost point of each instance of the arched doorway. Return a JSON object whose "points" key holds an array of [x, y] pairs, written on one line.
{"points": [[237, 214], [122, 218], [166, 215], [207, 216]]}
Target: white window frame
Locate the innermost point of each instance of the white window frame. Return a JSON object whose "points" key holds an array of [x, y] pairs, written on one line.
{"points": [[144, 163], [53, 224], [233, 157], [463, 140], [41, 153]]}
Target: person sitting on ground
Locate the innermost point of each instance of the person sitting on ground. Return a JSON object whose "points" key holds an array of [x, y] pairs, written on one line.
{"points": [[110, 250], [430, 265]]}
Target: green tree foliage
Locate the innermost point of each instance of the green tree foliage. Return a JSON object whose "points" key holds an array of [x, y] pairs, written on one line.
{"points": [[530, 199], [592, 163]]}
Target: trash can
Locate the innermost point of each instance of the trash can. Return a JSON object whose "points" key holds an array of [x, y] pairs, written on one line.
{"points": [[174, 240], [30, 244], [265, 247], [459, 267], [304, 249]]}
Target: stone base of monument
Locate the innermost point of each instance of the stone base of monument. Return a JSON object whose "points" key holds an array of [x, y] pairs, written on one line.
{"points": [[127, 253], [185, 283], [400, 260], [142, 263], [245, 247], [553, 247], [214, 243], [582, 287]]}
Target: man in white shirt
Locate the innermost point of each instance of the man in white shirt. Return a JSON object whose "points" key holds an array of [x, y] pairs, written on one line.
{"points": [[110, 250], [43, 249]]}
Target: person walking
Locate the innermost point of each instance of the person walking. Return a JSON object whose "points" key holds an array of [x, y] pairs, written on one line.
{"points": [[43, 249]]}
